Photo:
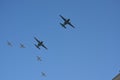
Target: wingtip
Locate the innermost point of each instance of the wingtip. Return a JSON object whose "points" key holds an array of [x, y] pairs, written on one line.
{"points": [[60, 15], [34, 37]]}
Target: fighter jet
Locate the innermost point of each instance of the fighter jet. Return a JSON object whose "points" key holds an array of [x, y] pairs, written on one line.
{"points": [[43, 74], [40, 43], [66, 21], [9, 43], [22, 46], [39, 58]]}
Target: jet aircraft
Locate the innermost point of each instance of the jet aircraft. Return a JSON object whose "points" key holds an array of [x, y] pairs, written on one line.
{"points": [[43, 74], [40, 43], [9, 44], [66, 21], [22, 46], [39, 58]]}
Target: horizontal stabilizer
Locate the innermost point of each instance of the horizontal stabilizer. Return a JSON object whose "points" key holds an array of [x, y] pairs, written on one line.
{"points": [[62, 25], [36, 46]]}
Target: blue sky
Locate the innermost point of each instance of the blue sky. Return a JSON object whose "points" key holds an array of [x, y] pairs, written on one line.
{"points": [[90, 51]]}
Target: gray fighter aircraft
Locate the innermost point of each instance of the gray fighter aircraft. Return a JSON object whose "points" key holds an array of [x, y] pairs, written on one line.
{"points": [[40, 43], [22, 46], [66, 21], [9, 43], [39, 58], [43, 74]]}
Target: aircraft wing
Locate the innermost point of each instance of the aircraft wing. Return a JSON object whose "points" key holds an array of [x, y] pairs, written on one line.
{"points": [[71, 25], [62, 17], [36, 39], [44, 46]]}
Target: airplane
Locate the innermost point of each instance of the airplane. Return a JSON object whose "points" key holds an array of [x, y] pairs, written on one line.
{"points": [[43, 74], [9, 43], [66, 21], [40, 43], [22, 46], [39, 58]]}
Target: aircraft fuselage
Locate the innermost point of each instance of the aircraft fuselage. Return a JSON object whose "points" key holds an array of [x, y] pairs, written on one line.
{"points": [[67, 21], [40, 43]]}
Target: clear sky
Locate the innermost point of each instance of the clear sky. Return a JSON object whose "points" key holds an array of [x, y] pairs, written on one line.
{"points": [[91, 51]]}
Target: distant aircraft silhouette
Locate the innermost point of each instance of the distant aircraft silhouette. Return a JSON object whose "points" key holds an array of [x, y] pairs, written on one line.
{"points": [[43, 74], [40, 43], [39, 58], [66, 21], [22, 46], [9, 43]]}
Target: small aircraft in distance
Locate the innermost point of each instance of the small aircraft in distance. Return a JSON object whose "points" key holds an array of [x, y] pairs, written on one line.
{"points": [[22, 46], [66, 21], [39, 58], [40, 43], [9, 44], [43, 74]]}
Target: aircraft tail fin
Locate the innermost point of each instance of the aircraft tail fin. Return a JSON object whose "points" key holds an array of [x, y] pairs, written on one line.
{"points": [[62, 25]]}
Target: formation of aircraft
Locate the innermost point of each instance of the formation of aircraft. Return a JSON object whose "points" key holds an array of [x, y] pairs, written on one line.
{"points": [[10, 44], [66, 21], [40, 43], [22, 46]]}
